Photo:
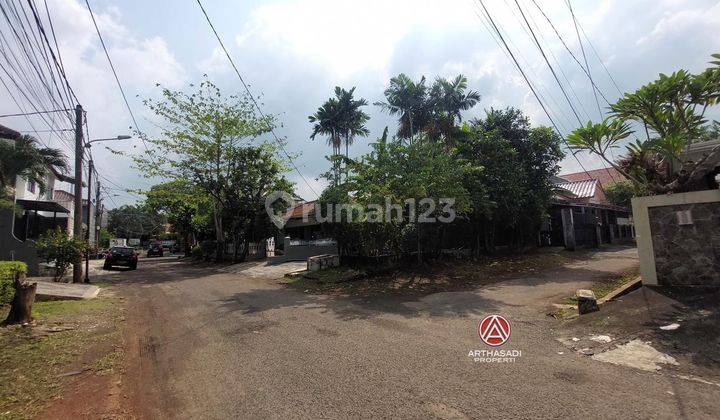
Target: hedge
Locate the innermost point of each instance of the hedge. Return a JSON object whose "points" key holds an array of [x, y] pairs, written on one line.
{"points": [[7, 274]]}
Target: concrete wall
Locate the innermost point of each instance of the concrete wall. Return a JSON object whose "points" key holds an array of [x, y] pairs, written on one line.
{"points": [[303, 251], [675, 253], [11, 248]]}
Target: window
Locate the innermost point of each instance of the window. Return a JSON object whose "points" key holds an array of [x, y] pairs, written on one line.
{"points": [[31, 186]]}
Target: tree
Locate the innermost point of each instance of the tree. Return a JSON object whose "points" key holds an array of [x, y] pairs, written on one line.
{"points": [[62, 249], [395, 174], [513, 191], [178, 201], [433, 111], [621, 193], [409, 101], [671, 112], [23, 158], [254, 173], [341, 120], [201, 134], [135, 221]]}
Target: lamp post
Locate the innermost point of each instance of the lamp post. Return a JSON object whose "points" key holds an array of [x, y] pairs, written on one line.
{"points": [[88, 145]]}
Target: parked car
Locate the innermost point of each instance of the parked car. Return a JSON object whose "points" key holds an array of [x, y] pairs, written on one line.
{"points": [[155, 250], [121, 255]]}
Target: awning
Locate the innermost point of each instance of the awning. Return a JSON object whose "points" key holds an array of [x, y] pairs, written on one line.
{"points": [[50, 206]]}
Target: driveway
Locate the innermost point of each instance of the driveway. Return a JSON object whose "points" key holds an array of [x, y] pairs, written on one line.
{"points": [[210, 344]]}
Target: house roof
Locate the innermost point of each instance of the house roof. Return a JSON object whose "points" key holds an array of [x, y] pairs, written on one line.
{"points": [[606, 177], [39, 205], [8, 133], [302, 208], [581, 189]]}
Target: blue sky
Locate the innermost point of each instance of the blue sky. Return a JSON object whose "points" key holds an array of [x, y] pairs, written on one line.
{"points": [[295, 52]]}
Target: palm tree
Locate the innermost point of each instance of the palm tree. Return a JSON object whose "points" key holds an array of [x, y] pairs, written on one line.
{"points": [[326, 122], [409, 100], [22, 157], [450, 97], [352, 119], [434, 111], [341, 120]]}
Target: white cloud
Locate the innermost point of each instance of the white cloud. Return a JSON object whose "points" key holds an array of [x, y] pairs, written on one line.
{"points": [[140, 62]]}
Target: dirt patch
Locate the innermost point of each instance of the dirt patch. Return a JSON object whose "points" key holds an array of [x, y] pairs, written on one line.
{"points": [[41, 363], [434, 277], [682, 323]]}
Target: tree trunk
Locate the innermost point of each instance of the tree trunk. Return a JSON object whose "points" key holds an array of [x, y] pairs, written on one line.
{"points": [[219, 236], [186, 239], [419, 247], [21, 307]]}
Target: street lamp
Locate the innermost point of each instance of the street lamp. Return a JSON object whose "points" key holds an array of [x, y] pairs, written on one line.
{"points": [[88, 145], [120, 137]]}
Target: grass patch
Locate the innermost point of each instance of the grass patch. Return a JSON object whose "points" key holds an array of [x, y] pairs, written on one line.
{"points": [[604, 288], [32, 359], [431, 277]]}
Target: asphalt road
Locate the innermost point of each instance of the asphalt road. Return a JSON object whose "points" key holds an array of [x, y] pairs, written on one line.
{"points": [[208, 344]]}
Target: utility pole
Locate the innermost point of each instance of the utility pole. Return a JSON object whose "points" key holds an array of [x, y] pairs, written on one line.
{"points": [[77, 208], [87, 233], [98, 214]]}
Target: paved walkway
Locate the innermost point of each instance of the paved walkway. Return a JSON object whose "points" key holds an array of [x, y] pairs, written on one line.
{"points": [[48, 289]]}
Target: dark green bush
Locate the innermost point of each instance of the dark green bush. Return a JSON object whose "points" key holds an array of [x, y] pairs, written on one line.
{"points": [[7, 274]]}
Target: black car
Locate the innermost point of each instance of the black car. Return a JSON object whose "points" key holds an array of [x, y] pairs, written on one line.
{"points": [[121, 255], [155, 251]]}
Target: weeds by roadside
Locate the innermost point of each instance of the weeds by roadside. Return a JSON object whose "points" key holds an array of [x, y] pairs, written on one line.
{"points": [[430, 278], [602, 289]]}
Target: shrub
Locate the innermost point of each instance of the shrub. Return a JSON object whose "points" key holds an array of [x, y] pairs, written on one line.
{"points": [[7, 276], [57, 245], [197, 253]]}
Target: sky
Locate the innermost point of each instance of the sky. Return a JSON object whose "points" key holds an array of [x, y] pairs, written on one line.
{"points": [[293, 54]]}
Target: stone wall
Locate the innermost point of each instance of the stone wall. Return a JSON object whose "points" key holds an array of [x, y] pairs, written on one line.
{"points": [[686, 254], [679, 248]]}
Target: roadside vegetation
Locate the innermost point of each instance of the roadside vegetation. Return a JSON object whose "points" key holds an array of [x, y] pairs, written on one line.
{"points": [[69, 339], [604, 288], [413, 280]]}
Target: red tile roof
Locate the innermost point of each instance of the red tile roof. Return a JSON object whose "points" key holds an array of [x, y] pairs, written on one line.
{"points": [[302, 209]]}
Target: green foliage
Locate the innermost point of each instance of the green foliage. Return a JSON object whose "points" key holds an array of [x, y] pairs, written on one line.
{"points": [[8, 270], [178, 201], [393, 173], [65, 250], [341, 120], [620, 193], [513, 191], [671, 111], [22, 157], [432, 110], [206, 143], [135, 221], [105, 237]]}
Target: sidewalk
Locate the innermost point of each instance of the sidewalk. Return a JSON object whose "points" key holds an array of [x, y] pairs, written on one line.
{"points": [[50, 290]]}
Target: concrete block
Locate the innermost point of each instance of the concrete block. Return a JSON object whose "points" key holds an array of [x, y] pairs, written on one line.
{"points": [[587, 302], [318, 262]]}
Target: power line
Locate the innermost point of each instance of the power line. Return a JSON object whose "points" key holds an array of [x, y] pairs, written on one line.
{"points": [[247, 89], [552, 70], [532, 89], [117, 79], [589, 74], [22, 114], [582, 49], [567, 48]]}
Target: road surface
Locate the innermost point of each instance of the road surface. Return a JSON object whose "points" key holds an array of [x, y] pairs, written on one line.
{"points": [[209, 344]]}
